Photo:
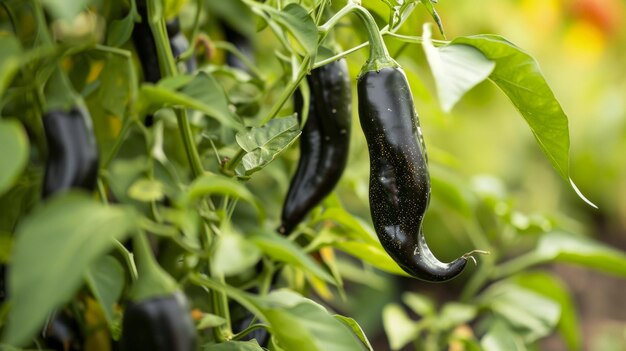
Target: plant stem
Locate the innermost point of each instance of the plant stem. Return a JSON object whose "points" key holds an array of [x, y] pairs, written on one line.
{"points": [[194, 34], [289, 89], [248, 330]]}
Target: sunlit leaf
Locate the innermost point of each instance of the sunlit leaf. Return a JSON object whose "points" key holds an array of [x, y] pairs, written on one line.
{"points": [[400, 329], [456, 69], [281, 249], [263, 144]]}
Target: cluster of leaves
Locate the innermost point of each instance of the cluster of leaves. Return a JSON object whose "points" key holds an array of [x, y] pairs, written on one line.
{"points": [[207, 181]]}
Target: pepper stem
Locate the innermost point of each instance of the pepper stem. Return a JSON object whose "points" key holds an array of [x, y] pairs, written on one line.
{"points": [[379, 56]]}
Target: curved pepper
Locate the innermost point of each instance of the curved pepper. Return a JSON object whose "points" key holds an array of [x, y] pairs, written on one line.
{"points": [[158, 324], [72, 151], [324, 142], [399, 178]]}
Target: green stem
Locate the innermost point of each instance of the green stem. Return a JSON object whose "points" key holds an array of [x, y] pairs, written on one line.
{"points": [[127, 256], [289, 90], [168, 69], [243, 58], [340, 55], [118, 144], [415, 39], [379, 56], [248, 330], [194, 34], [515, 266]]}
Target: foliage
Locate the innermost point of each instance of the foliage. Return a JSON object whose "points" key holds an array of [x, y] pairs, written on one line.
{"points": [[208, 178]]}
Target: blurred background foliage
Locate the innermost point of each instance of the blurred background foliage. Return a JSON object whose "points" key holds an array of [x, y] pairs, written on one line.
{"points": [[484, 160]]}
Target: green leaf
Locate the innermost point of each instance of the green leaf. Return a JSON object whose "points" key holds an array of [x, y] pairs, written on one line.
{"points": [[456, 69], [553, 288], [520, 78], [64, 9], [454, 314], [6, 246], [210, 321], [283, 250], [120, 31], [428, 4], [500, 337], [14, 146], [297, 21], [562, 247], [251, 345], [533, 316], [9, 60], [235, 13], [371, 254], [264, 144], [400, 329], [207, 90], [233, 254], [146, 190], [54, 248], [114, 90], [154, 97], [106, 280], [356, 329], [354, 226], [420, 304], [301, 324], [209, 184]]}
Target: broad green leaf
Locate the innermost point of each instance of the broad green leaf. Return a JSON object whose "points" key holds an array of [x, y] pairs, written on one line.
{"points": [[520, 78], [454, 314], [251, 345], [264, 144], [235, 13], [210, 321], [533, 316], [259, 137], [210, 184], [14, 146], [106, 280], [154, 97], [234, 254], [354, 226], [500, 337], [420, 304], [301, 324], [207, 90], [283, 250], [119, 31], [570, 248], [456, 69], [297, 21], [114, 90], [356, 329], [65, 10], [6, 246], [9, 60], [553, 288], [296, 322], [54, 247], [374, 255], [400, 329], [146, 190]]}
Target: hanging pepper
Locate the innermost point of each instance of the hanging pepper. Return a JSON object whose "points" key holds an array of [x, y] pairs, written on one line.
{"points": [[399, 190], [158, 317], [72, 151], [324, 142]]}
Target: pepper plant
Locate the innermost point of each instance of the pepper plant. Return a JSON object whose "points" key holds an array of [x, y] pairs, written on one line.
{"points": [[174, 246]]}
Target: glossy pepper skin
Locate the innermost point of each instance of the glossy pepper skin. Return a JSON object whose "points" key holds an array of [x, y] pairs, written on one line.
{"points": [[399, 179], [158, 324], [324, 142], [72, 151]]}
